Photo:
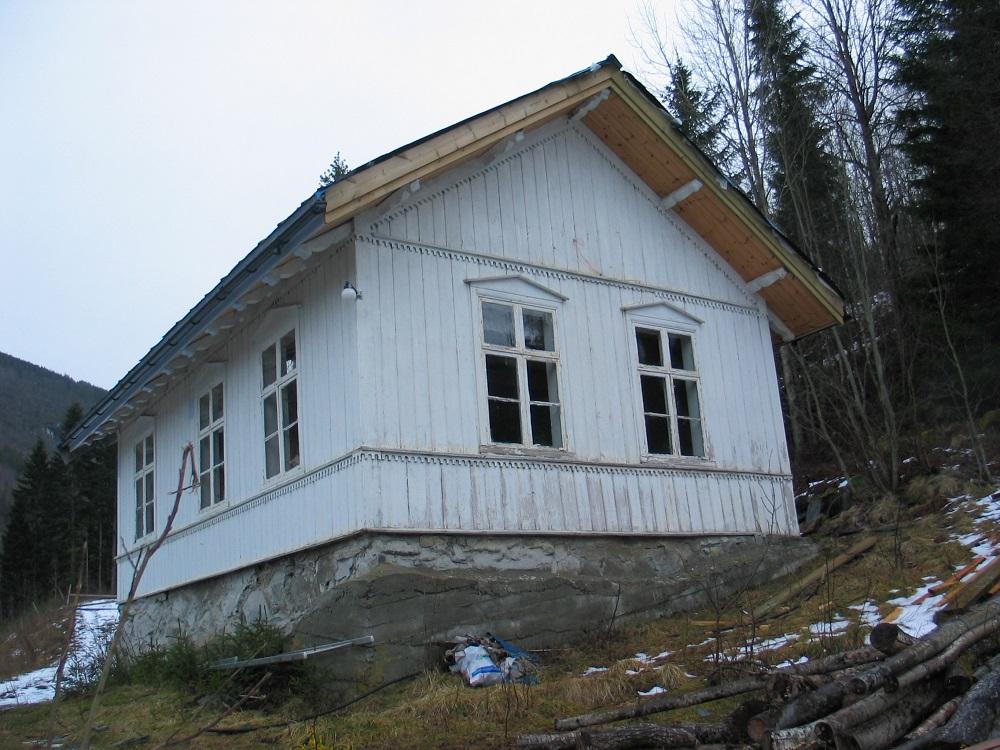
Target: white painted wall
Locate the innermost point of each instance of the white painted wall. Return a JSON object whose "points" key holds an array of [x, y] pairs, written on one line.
{"points": [[392, 419]]}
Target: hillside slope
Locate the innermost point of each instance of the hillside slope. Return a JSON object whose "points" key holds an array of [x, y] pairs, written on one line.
{"points": [[33, 402]]}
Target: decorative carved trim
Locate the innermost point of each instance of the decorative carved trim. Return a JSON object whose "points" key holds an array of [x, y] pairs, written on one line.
{"points": [[521, 267]]}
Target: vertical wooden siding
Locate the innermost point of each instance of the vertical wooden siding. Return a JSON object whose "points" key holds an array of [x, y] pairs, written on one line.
{"points": [[388, 383]]}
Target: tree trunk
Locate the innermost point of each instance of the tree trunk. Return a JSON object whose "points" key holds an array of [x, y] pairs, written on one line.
{"points": [[930, 645], [637, 735], [737, 687], [883, 730], [889, 638]]}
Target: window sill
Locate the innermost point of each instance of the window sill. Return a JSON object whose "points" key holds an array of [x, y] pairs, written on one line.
{"points": [[525, 451], [283, 478], [214, 508], [677, 462]]}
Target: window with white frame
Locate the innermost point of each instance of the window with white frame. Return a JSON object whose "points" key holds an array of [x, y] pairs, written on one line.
{"points": [[145, 511], [212, 446], [669, 392], [521, 367], [280, 398]]}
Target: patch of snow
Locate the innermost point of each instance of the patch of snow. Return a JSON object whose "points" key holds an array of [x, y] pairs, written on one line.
{"points": [[790, 663], [833, 627], [868, 614], [655, 690], [594, 670], [32, 687], [95, 624], [643, 658], [772, 644], [917, 619]]}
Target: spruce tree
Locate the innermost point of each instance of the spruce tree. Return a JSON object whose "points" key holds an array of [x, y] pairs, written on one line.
{"points": [[697, 113], [804, 180], [950, 62], [25, 551]]}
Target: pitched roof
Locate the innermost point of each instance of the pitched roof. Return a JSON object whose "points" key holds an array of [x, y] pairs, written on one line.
{"points": [[609, 101]]}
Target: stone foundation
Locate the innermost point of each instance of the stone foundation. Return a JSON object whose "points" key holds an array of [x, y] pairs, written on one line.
{"points": [[412, 592]]}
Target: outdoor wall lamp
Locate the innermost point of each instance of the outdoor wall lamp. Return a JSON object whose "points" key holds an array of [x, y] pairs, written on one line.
{"points": [[350, 292]]}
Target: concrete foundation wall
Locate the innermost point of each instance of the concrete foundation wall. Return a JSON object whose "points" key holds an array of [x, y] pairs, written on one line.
{"points": [[410, 591]]}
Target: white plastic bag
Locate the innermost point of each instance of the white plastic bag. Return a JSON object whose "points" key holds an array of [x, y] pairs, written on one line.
{"points": [[478, 668]]}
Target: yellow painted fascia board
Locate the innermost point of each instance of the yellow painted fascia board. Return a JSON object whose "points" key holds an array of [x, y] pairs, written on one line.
{"points": [[800, 269], [348, 196]]}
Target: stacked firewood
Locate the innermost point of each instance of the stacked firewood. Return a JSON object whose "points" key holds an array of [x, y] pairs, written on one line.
{"points": [[898, 692]]}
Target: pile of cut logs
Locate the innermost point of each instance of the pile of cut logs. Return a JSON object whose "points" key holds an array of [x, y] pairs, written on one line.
{"points": [[898, 692]]}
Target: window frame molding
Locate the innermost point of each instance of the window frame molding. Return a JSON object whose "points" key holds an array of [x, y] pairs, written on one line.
{"points": [[275, 323], [206, 387], [676, 321], [144, 433], [511, 291]]}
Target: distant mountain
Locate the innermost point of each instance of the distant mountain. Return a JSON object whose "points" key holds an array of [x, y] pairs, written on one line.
{"points": [[33, 402]]}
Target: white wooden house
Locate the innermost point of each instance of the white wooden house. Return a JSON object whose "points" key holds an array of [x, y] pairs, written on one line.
{"points": [[553, 319]]}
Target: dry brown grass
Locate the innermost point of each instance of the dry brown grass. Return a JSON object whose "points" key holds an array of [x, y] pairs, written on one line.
{"points": [[34, 639], [437, 710]]}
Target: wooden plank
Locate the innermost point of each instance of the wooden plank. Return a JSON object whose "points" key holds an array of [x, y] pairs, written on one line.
{"points": [[815, 577], [969, 592]]}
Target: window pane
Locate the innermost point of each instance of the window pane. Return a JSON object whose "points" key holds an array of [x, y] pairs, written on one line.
{"points": [[686, 399], [271, 461], [138, 522], [501, 376], [217, 403], [149, 450], [658, 434], [149, 518], [270, 415], [291, 447], [218, 448], [206, 489], [654, 396], [288, 360], [681, 352], [505, 421], [289, 405], [545, 426], [204, 412], [138, 457], [689, 435], [542, 382], [149, 489], [538, 331], [268, 365], [138, 493], [219, 485], [648, 344], [204, 454], [498, 324]]}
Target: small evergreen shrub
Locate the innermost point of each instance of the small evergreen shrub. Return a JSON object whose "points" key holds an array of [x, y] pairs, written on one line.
{"points": [[186, 666]]}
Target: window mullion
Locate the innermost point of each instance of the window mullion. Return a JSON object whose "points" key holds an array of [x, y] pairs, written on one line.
{"points": [[525, 401]]}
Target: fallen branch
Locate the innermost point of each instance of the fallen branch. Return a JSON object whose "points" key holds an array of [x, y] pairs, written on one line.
{"points": [[637, 735], [661, 703], [126, 607], [816, 577], [208, 727]]}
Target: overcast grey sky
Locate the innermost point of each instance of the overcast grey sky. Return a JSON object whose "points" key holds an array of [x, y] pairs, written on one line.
{"points": [[145, 147]]}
